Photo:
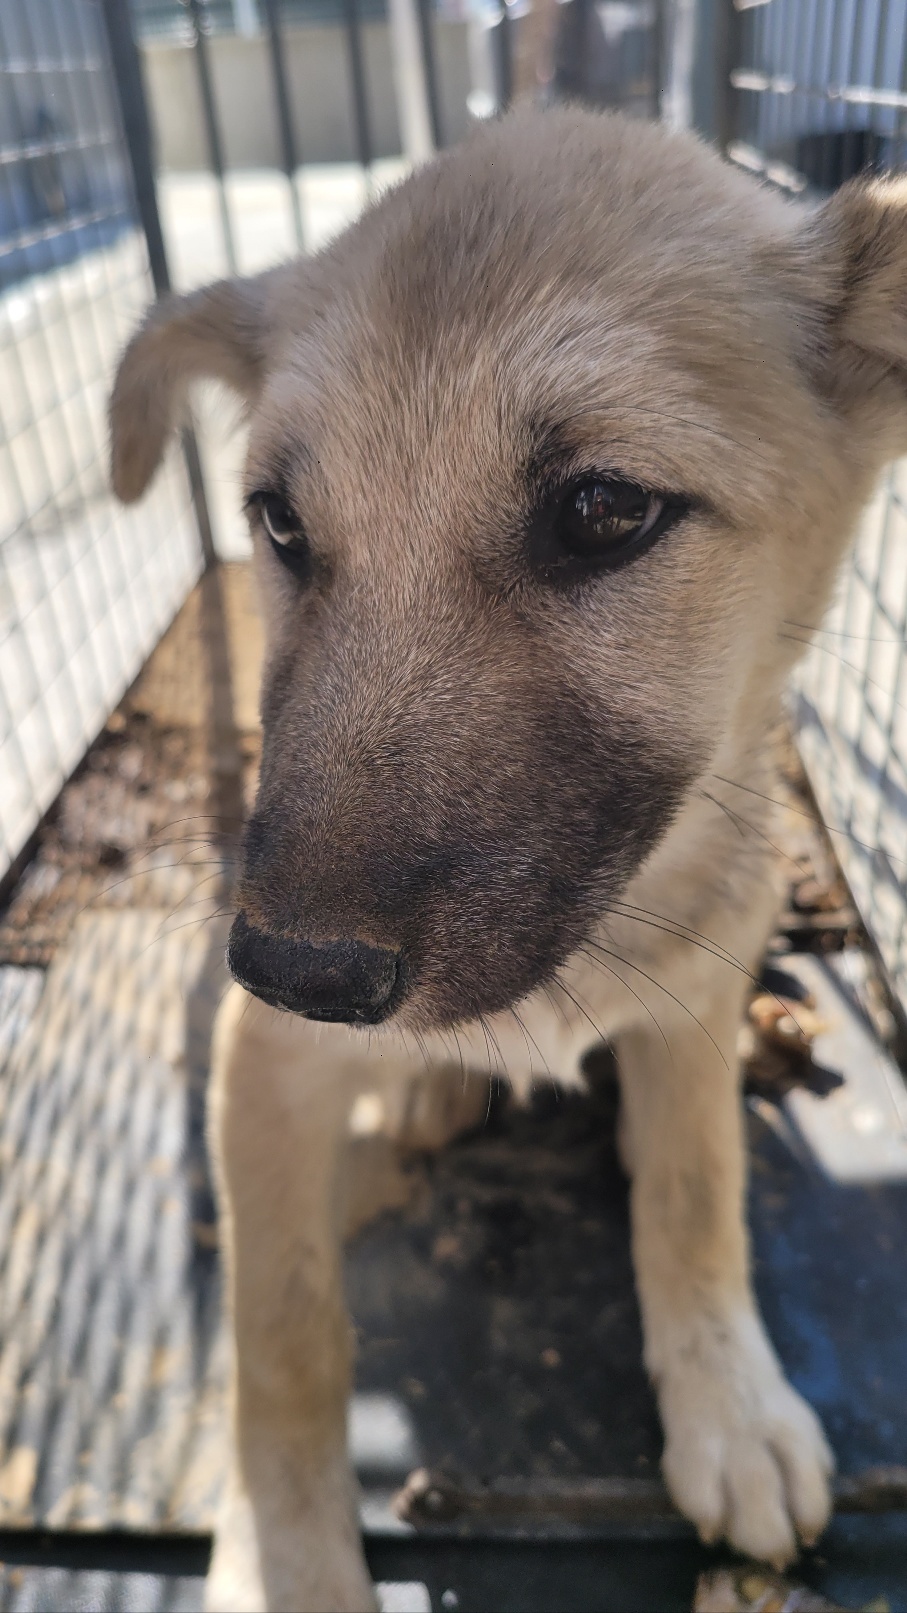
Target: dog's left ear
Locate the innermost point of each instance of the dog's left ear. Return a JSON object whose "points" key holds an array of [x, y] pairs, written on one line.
{"points": [[851, 260], [221, 333]]}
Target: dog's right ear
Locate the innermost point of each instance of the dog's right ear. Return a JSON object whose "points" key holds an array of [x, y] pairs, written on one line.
{"points": [[852, 262], [219, 333]]}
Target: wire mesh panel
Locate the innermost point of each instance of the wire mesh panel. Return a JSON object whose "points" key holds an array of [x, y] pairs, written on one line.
{"points": [[821, 91], [86, 588], [822, 88]]}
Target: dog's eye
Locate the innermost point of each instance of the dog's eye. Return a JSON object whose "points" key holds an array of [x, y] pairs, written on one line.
{"points": [[603, 520], [283, 528]]}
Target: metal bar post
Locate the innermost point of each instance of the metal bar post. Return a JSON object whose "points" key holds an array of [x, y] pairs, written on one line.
{"points": [[284, 113], [133, 105], [502, 37], [212, 129], [727, 34], [656, 55], [426, 14], [356, 58]]}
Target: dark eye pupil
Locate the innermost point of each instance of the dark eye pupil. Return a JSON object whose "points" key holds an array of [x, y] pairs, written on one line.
{"points": [[283, 527], [601, 514], [279, 521]]}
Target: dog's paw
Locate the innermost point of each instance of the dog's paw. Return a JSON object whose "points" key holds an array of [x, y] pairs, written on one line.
{"points": [[745, 1457]]}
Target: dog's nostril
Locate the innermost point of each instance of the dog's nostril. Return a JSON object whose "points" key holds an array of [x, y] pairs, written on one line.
{"points": [[345, 981]]}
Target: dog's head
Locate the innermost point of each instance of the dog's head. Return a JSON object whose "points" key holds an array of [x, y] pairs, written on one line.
{"points": [[544, 453]]}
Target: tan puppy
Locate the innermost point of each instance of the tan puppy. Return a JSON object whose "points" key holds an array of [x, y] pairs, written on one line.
{"points": [[545, 451]]}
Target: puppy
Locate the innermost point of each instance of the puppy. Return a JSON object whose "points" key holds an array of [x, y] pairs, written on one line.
{"points": [[545, 452]]}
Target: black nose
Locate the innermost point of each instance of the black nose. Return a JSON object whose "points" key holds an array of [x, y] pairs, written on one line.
{"points": [[344, 981]]}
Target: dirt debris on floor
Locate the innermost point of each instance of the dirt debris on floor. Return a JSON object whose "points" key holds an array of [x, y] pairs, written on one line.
{"points": [[138, 823], [749, 1590]]}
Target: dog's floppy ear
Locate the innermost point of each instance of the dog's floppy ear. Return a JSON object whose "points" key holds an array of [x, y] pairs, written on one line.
{"points": [[219, 333], [854, 257]]}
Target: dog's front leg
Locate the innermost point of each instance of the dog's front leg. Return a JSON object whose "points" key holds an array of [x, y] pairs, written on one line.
{"points": [[287, 1537], [744, 1455]]}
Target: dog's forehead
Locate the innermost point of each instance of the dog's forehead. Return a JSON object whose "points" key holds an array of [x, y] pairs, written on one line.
{"points": [[600, 285]]}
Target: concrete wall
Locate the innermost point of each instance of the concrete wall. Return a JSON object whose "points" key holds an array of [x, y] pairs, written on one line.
{"points": [[319, 79]]}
